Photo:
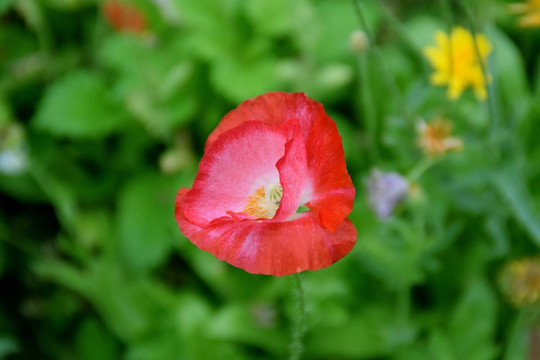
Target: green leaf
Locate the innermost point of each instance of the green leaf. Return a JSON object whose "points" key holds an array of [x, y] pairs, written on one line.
{"points": [[473, 324], [335, 22], [146, 226], [6, 114], [440, 345], [161, 117], [471, 331], [160, 346], [154, 80], [367, 334], [78, 106], [513, 189], [182, 335], [422, 28], [238, 80], [64, 274], [508, 70], [212, 27], [94, 342], [277, 17], [393, 253], [127, 57], [21, 187], [67, 5], [5, 5], [17, 46], [518, 335], [237, 323], [129, 305], [8, 346]]}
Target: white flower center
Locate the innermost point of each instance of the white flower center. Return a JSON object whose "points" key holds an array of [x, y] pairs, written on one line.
{"points": [[264, 203]]}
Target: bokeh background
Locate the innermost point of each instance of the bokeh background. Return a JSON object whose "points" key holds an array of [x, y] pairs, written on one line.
{"points": [[104, 111]]}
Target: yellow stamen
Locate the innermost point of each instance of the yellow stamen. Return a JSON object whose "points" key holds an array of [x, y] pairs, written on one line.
{"points": [[263, 204]]}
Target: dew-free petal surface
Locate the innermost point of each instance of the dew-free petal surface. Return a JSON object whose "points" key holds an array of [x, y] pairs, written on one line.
{"points": [[269, 247], [232, 169], [331, 192]]}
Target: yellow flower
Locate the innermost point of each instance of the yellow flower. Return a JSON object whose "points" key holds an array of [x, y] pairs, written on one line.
{"points": [[456, 62], [529, 11], [435, 137], [520, 281]]}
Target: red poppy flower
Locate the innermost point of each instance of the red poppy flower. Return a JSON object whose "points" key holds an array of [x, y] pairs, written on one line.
{"points": [[124, 17], [269, 157]]}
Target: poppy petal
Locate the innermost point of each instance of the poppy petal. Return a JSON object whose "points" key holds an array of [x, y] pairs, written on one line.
{"points": [[331, 189], [238, 163], [293, 171], [269, 247], [271, 108]]}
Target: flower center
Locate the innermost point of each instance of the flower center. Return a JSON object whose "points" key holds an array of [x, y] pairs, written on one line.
{"points": [[263, 203]]}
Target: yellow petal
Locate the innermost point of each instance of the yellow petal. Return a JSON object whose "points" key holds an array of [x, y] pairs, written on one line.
{"points": [[431, 52], [441, 39], [480, 92], [438, 78], [455, 89], [484, 46]]}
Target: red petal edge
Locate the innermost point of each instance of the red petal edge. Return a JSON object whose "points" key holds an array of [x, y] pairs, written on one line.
{"points": [[266, 247]]}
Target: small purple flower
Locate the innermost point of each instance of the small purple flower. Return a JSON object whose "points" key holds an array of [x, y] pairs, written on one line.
{"points": [[385, 191]]}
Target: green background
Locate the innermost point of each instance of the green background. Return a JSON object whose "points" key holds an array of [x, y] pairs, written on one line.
{"points": [[109, 125]]}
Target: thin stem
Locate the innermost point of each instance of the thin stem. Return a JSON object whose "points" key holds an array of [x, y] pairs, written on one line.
{"points": [[21, 246], [402, 33], [368, 107], [403, 304], [492, 108], [299, 326], [33, 13], [420, 168], [387, 76], [446, 9]]}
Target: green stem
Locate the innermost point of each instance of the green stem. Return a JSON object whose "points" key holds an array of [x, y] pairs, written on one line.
{"points": [[386, 74], [299, 326], [420, 168], [368, 109], [403, 305], [34, 15], [446, 10], [490, 88], [402, 33]]}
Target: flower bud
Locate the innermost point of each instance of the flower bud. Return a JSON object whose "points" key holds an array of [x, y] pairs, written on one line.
{"points": [[358, 41]]}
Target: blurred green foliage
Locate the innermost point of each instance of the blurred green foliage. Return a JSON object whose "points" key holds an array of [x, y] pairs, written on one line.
{"points": [[99, 127]]}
